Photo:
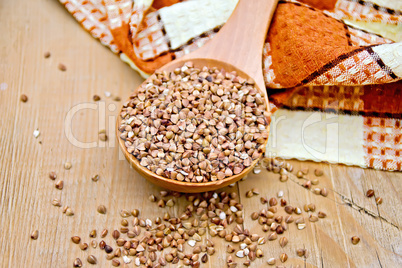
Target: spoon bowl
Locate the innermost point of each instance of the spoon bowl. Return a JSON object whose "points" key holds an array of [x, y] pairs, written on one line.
{"points": [[222, 52], [182, 186]]}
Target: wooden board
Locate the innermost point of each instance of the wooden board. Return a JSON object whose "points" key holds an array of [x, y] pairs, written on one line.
{"points": [[28, 29]]}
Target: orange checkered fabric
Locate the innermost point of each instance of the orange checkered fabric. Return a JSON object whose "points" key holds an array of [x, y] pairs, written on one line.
{"points": [[338, 56]]}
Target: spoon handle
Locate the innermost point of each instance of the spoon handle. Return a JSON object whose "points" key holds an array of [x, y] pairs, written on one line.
{"points": [[241, 39]]}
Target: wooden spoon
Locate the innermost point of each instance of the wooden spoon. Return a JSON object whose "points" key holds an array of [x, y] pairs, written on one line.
{"points": [[236, 47]]}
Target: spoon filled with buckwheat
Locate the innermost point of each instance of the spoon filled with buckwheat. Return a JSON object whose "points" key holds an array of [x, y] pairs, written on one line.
{"points": [[201, 122]]}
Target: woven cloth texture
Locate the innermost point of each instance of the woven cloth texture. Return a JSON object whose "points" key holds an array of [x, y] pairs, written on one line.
{"points": [[339, 57]]}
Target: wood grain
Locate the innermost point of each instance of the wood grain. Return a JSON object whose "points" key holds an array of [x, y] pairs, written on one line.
{"points": [[29, 28]]}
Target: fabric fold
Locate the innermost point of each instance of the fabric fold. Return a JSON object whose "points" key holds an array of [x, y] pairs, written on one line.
{"points": [[338, 59]]}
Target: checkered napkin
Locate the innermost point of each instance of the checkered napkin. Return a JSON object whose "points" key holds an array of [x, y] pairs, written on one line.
{"points": [[332, 68]]}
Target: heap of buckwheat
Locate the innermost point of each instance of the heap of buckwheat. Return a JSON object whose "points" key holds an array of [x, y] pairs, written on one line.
{"points": [[188, 237], [195, 125]]}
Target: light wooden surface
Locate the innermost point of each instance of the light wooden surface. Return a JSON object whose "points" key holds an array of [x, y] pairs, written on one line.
{"points": [[28, 29]]}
